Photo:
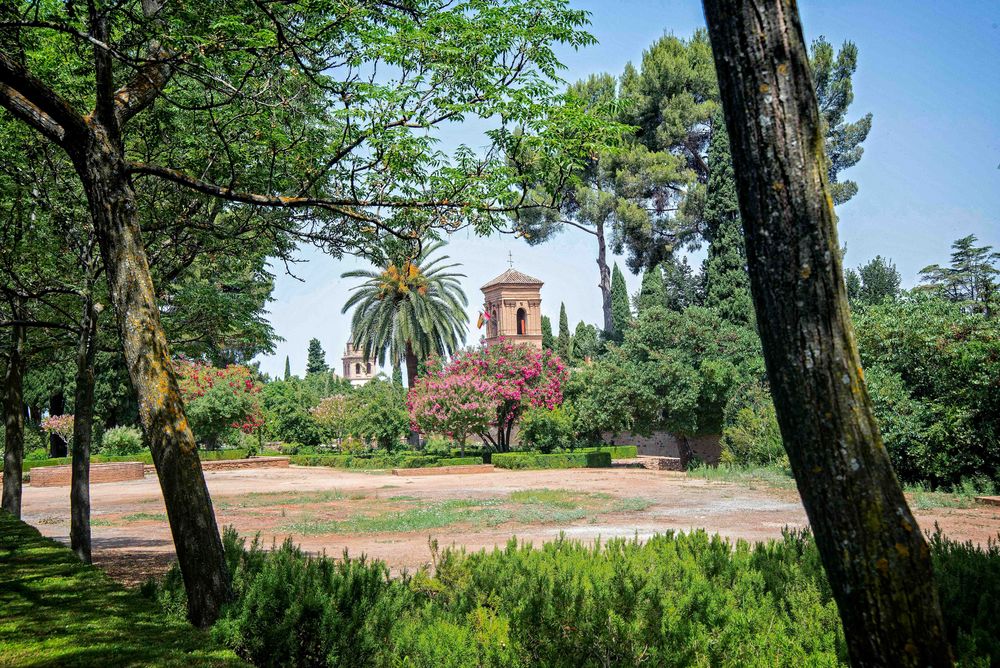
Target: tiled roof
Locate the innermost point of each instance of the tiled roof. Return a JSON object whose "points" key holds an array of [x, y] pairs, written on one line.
{"points": [[512, 277]]}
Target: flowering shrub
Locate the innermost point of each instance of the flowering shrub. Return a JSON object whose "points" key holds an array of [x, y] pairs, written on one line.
{"points": [[487, 388], [219, 400], [454, 404], [60, 425]]}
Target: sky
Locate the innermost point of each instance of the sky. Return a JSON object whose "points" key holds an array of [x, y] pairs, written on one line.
{"points": [[928, 71]]}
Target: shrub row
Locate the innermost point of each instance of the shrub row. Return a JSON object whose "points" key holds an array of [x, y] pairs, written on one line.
{"points": [[616, 451], [144, 457], [399, 460], [563, 460], [673, 600], [460, 461]]}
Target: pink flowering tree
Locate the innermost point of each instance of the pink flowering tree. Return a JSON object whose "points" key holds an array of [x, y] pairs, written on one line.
{"points": [[60, 425], [219, 401], [490, 388], [454, 404]]}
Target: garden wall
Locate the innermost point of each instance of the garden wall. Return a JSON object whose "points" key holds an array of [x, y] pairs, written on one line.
{"points": [[55, 476], [707, 448]]}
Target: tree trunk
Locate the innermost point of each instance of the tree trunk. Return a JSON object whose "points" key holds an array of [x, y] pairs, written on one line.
{"points": [[13, 405], [189, 507], [605, 282], [83, 425], [873, 551], [57, 406], [411, 379]]}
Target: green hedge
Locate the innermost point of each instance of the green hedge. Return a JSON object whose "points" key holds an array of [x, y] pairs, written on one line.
{"points": [[460, 461], [144, 457], [616, 451], [563, 460], [406, 460]]}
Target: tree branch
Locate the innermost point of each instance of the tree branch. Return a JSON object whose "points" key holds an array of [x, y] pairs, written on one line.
{"points": [[32, 101]]}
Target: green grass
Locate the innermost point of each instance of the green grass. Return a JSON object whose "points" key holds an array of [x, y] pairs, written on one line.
{"points": [[267, 499], [144, 517], [757, 475], [55, 611], [533, 506]]}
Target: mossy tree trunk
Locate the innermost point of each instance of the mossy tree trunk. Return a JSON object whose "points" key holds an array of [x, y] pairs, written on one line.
{"points": [[13, 410], [876, 559], [101, 167], [83, 429]]}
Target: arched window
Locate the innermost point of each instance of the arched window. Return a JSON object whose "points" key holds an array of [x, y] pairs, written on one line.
{"points": [[368, 369], [357, 369], [522, 322]]}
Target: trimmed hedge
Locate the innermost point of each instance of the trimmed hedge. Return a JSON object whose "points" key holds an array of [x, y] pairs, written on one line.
{"points": [[616, 451], [406, 460], [563, 460], [460, 461], [144, 457]]}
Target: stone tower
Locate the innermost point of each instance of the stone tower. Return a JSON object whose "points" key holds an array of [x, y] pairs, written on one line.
{"points": [[514, 305], [356, 369]]}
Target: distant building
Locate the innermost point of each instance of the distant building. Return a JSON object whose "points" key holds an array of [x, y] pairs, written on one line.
{"points": [[356, 369], [514, 309]]}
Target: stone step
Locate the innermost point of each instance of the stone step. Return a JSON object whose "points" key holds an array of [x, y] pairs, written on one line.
{"points": [[989, 500], [661, 463]]}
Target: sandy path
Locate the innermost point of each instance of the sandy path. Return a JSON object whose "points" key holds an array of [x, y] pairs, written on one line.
{"points": [[133, 549]]}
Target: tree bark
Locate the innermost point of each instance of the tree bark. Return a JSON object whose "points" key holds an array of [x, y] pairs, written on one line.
{"points": [[83, 425], [57, 406], [13, 404], [605, 282], [189, 507], [874, 554], [411, 380]]}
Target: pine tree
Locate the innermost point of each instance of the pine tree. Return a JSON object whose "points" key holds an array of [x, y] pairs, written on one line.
{"points": [[548, 341], [653, 292], [875, 282], [288, 368], [971, 277], [680, 285], [316, 360], [621, 313], [728, 284], [564, 345]]}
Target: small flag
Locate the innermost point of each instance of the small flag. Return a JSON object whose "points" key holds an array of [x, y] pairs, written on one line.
{"points": [[483, 319]]}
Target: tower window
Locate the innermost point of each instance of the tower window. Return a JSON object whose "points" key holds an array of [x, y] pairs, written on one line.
{"points": [[368, 368], [357, 369], [522, 322]]}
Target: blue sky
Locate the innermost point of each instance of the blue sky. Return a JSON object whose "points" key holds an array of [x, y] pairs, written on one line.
{"points": [[928, 71]]}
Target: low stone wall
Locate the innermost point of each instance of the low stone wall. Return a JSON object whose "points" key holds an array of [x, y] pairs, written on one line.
{"points": [[446, 470], [57, 476], [664, 444], [236, 464]]}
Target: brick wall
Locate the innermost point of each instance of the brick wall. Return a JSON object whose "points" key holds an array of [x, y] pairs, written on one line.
{"points": [[54, 476], [237, 464]]}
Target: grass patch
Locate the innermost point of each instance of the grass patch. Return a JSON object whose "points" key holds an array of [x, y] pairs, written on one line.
{"points": [[433, 516], [267, 499], [55, 611], [752, 476], [144, 517], [530, 506]]}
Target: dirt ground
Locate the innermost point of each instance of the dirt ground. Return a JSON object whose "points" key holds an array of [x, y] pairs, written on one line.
{"points": [[131, 538]]}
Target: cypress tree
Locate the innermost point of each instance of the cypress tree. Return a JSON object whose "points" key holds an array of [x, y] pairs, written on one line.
{"points": [[564, 345], [288, 368], [548, 341], [316, 360], [621, 312], [728, 284], [652, 293]]}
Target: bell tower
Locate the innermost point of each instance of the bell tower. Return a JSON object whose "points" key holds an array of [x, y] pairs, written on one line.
{"points": [[513, 303]]}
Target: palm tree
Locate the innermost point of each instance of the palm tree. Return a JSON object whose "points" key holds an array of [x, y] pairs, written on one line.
{"points": [[408, 311]]}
